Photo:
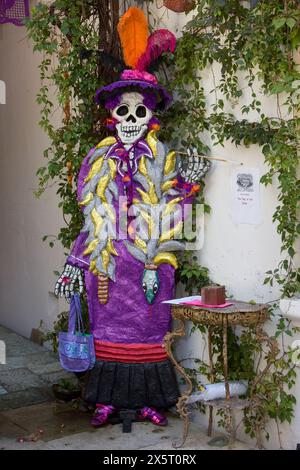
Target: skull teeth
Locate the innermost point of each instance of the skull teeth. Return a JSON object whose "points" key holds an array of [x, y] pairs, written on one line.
{"points": [[131, 131]]}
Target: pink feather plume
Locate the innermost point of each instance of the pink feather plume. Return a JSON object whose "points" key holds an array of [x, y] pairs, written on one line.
{"points": [[160, 41]]}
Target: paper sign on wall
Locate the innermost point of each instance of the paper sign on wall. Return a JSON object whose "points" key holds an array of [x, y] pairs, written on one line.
{"points": [[245, 196]]}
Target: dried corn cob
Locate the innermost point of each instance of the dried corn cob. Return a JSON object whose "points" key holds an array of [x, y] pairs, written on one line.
{"points": [[103, 288]]}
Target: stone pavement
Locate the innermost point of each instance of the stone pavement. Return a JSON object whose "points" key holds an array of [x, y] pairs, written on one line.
{"points": [[61, 427], [30, 419], [29, 372]]}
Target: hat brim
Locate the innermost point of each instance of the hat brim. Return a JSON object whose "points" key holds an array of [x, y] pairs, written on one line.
{"points": [[163, 97]]}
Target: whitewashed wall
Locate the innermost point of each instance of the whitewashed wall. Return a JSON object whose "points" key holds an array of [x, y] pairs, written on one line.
{"points": [[237, 255], [27, 264]]}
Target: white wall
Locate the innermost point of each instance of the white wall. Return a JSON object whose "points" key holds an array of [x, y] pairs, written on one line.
{"points": [[27, 264], [237, 255]]}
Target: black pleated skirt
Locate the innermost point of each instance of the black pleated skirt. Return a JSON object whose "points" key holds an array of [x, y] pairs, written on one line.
{"points": [[132, 385]]}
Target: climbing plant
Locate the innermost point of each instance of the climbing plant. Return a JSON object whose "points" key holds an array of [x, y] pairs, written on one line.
{"points": [[267, 366], [75, 39], [245, 49], [247, 46], [255, 44], [244, 46]]}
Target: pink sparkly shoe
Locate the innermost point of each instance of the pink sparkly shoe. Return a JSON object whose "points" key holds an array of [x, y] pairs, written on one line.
{"points": [[101, 414], [156, 418]]}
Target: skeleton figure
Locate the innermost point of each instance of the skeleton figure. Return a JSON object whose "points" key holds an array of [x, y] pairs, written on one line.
{"points": [[136, 257], [132, 119]]}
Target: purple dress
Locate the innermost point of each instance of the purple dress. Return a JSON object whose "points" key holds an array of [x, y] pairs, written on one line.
{"points": [[132, 368]]}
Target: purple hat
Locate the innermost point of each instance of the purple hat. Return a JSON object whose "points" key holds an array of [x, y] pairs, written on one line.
{"points": [[140, 50], [135, 80]]}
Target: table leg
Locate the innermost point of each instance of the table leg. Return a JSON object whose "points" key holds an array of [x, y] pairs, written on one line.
{"points": [[212, 379], [225, 356], [181, 404], [229, 417]]}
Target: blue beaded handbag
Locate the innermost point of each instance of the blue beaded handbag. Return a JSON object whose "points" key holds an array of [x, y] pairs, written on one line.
{"points": [[76, 348]]}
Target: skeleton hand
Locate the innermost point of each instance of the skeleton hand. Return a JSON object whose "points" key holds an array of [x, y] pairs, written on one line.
{"points": [[68, 280], [193, 168]]}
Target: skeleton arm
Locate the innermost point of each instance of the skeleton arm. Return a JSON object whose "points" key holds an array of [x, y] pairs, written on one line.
{"points": [[70, 278], [72, 275], [193, 168]]}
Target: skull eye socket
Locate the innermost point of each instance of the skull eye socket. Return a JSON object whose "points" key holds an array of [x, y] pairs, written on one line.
{"points": [[144, 287], [141, 111], [122, 110]]}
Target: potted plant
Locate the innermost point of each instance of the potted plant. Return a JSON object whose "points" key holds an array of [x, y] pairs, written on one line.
{"points": [[65, 390]]}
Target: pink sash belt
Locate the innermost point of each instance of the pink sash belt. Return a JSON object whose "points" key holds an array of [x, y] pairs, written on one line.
{"points": [[122, 352]]}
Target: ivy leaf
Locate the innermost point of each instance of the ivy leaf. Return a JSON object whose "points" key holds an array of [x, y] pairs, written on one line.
{"points": [[295, 39], [291, 22], [279, 22], [291, 251]]}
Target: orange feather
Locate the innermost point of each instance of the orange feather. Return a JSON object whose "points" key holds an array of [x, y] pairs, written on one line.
{"points": [[133, 31]]}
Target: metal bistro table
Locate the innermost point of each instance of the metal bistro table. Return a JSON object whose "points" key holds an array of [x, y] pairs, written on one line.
{"points": [[239, 313]]}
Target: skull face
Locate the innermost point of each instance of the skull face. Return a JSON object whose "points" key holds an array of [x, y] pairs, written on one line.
{"points": [[132, 116]]}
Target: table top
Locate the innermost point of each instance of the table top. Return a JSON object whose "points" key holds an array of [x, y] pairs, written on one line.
{"points": [[239, 313]]}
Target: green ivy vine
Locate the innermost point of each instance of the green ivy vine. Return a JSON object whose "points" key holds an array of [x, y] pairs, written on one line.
{"points": [[259, 43], [243, 47], [248, 46], [61, 33], [269, 369], [237, 44]]}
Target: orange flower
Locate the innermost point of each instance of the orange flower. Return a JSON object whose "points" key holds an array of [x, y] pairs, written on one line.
{"points": [[196, 188], [155, 127], [131, 231]]}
